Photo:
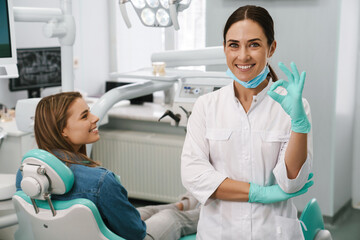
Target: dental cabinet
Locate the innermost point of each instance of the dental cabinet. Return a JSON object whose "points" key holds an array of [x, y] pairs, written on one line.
{"points": [[15, 144]]}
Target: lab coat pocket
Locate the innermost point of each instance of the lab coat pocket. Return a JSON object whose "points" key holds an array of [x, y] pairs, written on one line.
{"points": [[218, 134], [219, 141], [273, 143], [275, 136], [288, 228]]}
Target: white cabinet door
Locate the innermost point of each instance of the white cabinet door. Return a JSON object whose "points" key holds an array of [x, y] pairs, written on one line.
{"points": [[13, 149]]}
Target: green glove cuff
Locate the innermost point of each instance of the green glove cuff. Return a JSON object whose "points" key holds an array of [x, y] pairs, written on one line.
{"points": [[301, 125], [254, 188]]}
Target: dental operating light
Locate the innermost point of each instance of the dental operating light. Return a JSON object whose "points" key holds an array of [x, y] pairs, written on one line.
{"points": [[165, 3], [153, 3], [155, 13]]}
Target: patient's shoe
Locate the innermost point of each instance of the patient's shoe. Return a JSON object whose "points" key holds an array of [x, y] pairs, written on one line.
{"points": [[189, 201]]}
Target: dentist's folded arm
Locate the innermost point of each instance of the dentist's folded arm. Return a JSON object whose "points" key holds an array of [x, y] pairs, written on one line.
{"points": [[231, 190]]}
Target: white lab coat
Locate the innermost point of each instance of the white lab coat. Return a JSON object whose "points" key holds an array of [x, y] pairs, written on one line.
{"points": [[223, 141]]}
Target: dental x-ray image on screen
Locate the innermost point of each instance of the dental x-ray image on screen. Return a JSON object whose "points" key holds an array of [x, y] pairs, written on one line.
{"points": [[38, 68]]}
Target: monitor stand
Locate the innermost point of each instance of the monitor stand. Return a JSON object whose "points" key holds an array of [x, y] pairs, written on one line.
{"points": [[34, 93], [9, 71]]}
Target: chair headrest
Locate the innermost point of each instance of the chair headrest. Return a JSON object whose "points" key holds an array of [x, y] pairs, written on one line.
{"points": [[43, 173]]}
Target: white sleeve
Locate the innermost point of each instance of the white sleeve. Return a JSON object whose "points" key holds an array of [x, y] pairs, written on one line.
{"points": [[198, 175], [280, 171]]}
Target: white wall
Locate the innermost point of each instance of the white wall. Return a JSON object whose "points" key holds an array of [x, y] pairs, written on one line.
{"points": [[307, 32], [342, 149], [356, 151], [91, 48], [356, 132]]}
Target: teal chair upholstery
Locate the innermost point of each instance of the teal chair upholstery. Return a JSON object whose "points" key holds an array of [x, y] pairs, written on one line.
{"points": [[40, 217], [313, 223], [189, 237]]}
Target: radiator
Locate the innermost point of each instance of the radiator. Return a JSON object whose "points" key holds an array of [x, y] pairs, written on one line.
{"points": [[147, 163]]}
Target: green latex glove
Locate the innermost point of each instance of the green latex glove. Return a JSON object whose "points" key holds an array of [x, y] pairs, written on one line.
{"points": [[272, 194], [292, 102]]}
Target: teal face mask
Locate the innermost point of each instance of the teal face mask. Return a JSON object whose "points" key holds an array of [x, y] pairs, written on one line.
{"points": [[253, 83]]}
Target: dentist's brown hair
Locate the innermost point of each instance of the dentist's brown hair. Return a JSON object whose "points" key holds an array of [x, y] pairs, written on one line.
{"points": [[259, 15]]}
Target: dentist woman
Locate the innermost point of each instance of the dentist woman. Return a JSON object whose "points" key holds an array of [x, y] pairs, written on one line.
{"points": [[252, 133]]}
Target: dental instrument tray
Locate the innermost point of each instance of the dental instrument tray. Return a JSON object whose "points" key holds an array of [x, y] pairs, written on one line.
{"points": [[170, 75]]}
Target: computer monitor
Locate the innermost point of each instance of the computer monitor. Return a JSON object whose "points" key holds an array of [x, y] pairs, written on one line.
{"points": [[38, 68], [8, 58]]}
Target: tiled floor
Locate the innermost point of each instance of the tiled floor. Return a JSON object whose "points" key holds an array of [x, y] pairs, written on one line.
{"points": [[347, 226]]}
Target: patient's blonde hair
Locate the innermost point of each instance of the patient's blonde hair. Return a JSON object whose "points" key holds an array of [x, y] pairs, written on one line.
{"points": [[51, 116]]}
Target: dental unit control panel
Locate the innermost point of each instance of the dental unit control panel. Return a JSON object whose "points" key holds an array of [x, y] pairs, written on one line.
{"points": [[189, 89]]}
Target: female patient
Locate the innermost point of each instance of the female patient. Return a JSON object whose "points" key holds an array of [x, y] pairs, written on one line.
{"points": [[63, 127]]}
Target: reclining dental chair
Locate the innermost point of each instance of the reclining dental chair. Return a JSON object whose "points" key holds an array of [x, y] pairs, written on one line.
{"points": [[41, 218], [313, 223]]}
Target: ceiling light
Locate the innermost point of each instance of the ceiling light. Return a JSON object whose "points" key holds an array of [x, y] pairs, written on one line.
{"points": [[148, 16], [139, 3], [165, 3], [162, 17], [153, 3], [166, 12]]}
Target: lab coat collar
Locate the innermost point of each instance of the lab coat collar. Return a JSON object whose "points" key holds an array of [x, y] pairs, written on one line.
{"points": [[259, 97]]}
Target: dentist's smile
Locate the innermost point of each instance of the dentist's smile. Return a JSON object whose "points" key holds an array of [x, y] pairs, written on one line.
{"points": [[244, 68]]}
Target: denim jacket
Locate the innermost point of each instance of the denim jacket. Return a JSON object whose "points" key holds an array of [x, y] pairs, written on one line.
{"points": [[104, 189]]}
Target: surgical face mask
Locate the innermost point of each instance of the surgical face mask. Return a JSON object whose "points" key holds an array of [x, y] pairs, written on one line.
{"points": [[253, 83]]}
